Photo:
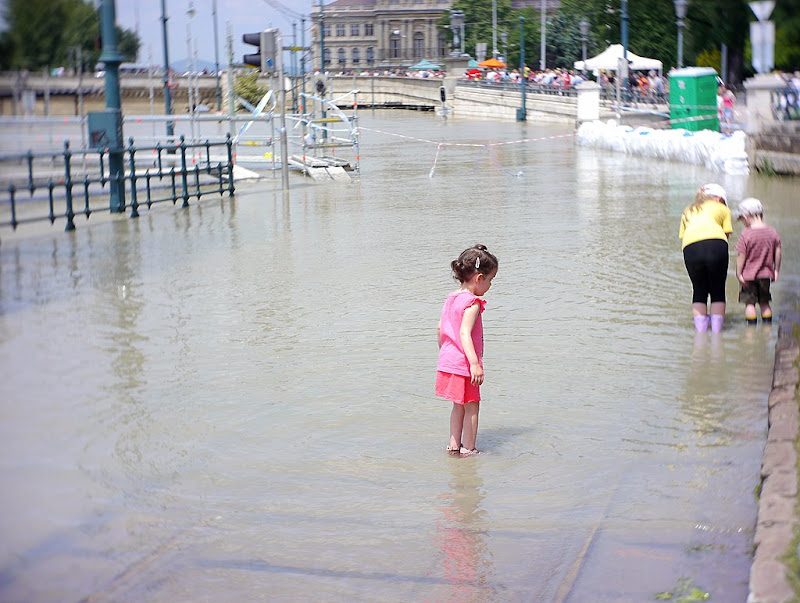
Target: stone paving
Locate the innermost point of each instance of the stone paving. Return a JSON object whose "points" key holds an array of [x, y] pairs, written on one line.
{"points": [[777, 509]]}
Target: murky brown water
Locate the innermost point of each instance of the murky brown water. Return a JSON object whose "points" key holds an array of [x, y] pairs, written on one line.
{"points": [[234, 402]]}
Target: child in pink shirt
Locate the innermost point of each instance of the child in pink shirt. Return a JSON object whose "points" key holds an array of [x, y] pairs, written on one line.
{"points": [[460, 333], [758, 262]]}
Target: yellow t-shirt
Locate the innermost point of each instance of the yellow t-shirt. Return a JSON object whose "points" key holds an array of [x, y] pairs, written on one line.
{"points": [[712, 220]]}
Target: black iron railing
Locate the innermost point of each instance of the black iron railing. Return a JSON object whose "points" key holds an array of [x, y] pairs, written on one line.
{"points": [[786, 103], [47, 185]]}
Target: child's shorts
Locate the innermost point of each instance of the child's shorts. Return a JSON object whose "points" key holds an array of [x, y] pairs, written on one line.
{"points": [[457, 388], [755, 292]]}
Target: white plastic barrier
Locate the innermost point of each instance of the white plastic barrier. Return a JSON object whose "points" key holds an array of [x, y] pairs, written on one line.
{"points": [[719, 152]]}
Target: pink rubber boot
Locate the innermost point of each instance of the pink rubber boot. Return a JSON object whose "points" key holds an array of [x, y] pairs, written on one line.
{"points": [[716, 322], [701, 323]]}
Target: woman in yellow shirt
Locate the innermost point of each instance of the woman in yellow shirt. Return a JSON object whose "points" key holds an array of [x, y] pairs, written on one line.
{"points": [[705, 227]]}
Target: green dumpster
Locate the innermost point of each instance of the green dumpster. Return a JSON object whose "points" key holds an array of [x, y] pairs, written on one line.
{"points": [[693, 99]]}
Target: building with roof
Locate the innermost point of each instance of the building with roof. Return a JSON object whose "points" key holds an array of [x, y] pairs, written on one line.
{"points": [[373, 34], [386, 34]]}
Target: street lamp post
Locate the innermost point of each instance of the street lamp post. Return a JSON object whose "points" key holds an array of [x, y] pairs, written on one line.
{"points": [[680, 12], [494, 29], [216, 57], [504, 41], [522, 112], [457, 25], [190, 12], [167, 94], [543, 35], [584, 26]]}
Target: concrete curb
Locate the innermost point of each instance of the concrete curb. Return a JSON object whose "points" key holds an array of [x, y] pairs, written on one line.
{"points": [[777, 507]]}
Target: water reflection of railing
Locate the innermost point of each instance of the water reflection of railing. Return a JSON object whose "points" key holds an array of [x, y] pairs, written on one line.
{"points": [[58, 173], [786, 103]]}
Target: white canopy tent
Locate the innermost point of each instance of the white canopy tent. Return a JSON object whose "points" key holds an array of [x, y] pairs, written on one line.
{"points": [[608, 60]]}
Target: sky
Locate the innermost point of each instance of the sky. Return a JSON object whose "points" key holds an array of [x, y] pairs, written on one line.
{"points": [[244, 16]]}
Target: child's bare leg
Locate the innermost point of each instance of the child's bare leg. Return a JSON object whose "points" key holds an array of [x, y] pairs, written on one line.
{"points": [[456, 426], [766, 311], [750, 313], [470, 425], [699, 309]]}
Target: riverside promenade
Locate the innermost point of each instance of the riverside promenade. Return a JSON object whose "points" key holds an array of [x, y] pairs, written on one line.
{"points": [[228, 380]]}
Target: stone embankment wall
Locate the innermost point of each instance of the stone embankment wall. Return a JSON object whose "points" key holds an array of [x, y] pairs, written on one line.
{"points": [[776, 554], [776, 148]]}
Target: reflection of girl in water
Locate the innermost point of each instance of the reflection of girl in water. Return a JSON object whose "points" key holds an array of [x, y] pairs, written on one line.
{"points": [[460, 333], [465, 564]]}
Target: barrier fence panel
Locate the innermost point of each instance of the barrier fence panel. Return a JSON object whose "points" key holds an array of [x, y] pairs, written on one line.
{"points": [[47, 185]]}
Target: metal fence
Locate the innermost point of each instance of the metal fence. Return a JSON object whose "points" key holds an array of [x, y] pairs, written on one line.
{"points": [[50, 185]]}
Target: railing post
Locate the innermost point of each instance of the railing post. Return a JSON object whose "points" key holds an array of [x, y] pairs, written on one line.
{"points": [[134, 201], [184, 182], [68, 187], [11, 191], [229, 145]]}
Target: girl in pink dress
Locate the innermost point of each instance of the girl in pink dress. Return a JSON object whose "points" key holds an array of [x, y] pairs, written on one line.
{"points": [[460, 332]]}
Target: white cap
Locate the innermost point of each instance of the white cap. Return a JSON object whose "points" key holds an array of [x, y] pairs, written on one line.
{"points": [[715, 190], [750, 207]]}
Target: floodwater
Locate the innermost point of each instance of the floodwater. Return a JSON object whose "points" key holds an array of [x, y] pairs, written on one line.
{"points": [[235, 401]]}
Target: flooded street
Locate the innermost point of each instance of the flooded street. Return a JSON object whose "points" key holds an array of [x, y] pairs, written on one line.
{"points": [[235, 401]]}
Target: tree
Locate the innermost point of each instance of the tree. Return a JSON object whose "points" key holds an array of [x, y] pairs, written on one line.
{"points": [[478, 22], [249, 88], [43, 33]]}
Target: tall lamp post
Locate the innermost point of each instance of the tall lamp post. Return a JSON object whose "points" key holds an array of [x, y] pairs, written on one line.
{"points": [[680, 12], [167, 94], [522, 112], [584, 26], [216, 57], [543, 35]]}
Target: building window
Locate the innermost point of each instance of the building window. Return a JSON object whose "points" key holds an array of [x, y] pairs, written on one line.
{"points": [[327, 56], [369, 29], [356, 54], [327, 30], [355, 29], [394, 48], [339, 30], [442, 45], [419, 45], [342, 59]]}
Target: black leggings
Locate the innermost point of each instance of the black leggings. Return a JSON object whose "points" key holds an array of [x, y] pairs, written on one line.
{"points": [[707, 265]]}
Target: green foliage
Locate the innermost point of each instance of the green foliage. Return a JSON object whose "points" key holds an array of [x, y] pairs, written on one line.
{"points": [[478, 23], [684, 592], [710, 58], [45, 33], [248, 87]]}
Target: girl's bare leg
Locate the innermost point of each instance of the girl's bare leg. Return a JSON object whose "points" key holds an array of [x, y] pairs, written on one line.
{"points": [[470, 425], [456, 426], [699, 309]]}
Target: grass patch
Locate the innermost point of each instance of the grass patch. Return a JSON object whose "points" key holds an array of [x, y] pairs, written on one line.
{"points": [[684, 592]]}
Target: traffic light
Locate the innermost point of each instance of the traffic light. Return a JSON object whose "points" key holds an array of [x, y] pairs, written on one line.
{"points": [[266, 42]]}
